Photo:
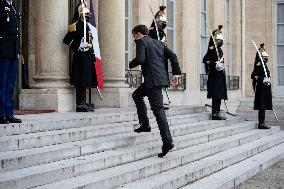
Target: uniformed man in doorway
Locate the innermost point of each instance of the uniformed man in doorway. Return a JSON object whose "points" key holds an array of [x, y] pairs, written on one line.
{"points": [[9, 58], [214, 66], [83, 74], [261, 86]]}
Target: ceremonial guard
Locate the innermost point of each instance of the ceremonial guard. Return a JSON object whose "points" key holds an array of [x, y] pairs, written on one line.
{"points": [[9, 59], [83, 74], [152, 54], [261, 86], [214, 66]]}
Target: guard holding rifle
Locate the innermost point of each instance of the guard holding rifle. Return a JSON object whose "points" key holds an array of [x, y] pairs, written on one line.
{"points": [[83, 74]]}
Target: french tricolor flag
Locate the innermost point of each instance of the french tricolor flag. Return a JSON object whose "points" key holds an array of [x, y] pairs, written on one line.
{"points": [[96, 47]]}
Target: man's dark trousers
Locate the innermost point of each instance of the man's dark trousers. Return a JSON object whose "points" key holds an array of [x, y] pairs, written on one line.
{"points": [[155, 98], [8, 75]]}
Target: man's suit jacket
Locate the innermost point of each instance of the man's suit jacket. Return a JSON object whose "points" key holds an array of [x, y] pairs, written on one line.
{"points": [[153, 55]]}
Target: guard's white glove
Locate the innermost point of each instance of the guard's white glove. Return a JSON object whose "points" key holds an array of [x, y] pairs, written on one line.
{"points": [[266, 81], [83, 45], [219, 66]]}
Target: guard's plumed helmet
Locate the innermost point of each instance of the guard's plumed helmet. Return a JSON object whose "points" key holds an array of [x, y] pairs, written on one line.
{"points": [[218, 33], [263, 51], [81, 8], [161, 14]]}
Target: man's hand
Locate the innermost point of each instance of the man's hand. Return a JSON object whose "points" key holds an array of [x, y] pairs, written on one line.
{"points": [[174, 80], [207, 62]]}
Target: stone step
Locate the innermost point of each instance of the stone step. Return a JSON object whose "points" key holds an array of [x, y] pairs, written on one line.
{"points": [[32, 140], [280, 99], [255, 117], [179, 163], [255, 112], [56, 121], [24, 158], [183, 172], [251, 101], [73, 167], [250, 105], [239, 172]]}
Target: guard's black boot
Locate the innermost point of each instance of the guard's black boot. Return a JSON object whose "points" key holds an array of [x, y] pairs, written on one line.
{"points": [[82, 107], [143, 128], [3, 120], [12, 119], [262, 126], [218, 117], [91, 106], [165, 149]]}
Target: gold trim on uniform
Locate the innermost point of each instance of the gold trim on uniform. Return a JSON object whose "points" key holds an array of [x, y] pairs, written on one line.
{"points": [[72, 27]]}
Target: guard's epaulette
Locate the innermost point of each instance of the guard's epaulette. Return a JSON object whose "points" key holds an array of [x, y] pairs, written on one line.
{"points": [[211, 47], [72, 27]]}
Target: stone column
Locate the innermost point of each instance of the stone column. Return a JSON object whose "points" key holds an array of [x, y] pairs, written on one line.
{"points": [[111, 28], [51, 89]]}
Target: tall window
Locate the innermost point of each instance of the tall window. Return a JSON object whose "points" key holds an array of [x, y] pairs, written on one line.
{"points": [[171, 25], [127, 32], [228, 38], [204, 33], [280, 47]]}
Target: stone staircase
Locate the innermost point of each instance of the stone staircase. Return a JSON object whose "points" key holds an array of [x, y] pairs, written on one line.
{"points": [[100, 150], [245, 110]]}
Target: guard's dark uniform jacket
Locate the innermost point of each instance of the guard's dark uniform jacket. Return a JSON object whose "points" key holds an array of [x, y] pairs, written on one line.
{"points": [[9, 30], [216, 83], [153, 33], [155, 74], [263, 95], [83, 69]]}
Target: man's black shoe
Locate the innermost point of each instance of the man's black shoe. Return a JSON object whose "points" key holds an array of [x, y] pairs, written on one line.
{"points": [[3, 120], [218, 117], [12, 119], [166, 149], [143, 128], [263, 126]]}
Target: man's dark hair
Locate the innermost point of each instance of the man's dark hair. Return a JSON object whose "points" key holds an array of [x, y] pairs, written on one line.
{"points": [[141, 28]]}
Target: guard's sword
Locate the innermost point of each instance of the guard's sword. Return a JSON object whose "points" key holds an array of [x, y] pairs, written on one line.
{"points": [[156, 25], [265, 81], [84, 20], [100, 94]]}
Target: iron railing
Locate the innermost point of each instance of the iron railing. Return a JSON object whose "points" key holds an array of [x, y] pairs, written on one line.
{"points": [[233, 82], [134, 78]]}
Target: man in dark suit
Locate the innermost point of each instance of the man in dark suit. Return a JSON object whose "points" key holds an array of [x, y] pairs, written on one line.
{"points": [[152, 55], [9, 59]]}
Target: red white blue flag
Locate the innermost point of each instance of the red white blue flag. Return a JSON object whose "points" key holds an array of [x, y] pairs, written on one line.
{"points": [[96, 47]]}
